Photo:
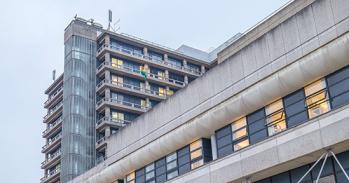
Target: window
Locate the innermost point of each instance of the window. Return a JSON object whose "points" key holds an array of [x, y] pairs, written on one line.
{"points": [[338, 87], [239, 134], [170, 92], [183, 159], [171, 166], [316, 98], [115, 62], [275, 117], [117, 80], [130, 178], [160, 170], [161, 91], [295, 109], [224, 141], [149, 172], [196, 157], [256, 126], [117, 116]]}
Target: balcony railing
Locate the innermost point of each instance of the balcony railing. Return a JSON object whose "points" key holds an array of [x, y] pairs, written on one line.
{"points": [[117, 122], [51, 97], [53, 125], [52, 141], [53, 110], [128, 104], [100, 159], [133, 87], [100, 141], [137, 71], [149, 58], [51, 157], [50, 174]]}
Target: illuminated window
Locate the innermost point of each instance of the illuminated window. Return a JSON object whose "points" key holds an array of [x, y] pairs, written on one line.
{"points": [[117, 115], [196, 154], [317, 98], [197, 164], [161, 75], [161, 91], [115, 62], [130, 178], [143, 103], [170, 92], [239, 134], [275, 117], [241, 144], [117, 80]]}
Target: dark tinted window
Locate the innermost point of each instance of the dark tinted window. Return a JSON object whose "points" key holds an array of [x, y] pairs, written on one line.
{"points": [[338, 86], [295, 109], [256, 126], [281, 178]]}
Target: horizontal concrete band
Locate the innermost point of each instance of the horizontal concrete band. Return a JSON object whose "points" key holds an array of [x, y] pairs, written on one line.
{"points": [[317, 64], [293, 148]]}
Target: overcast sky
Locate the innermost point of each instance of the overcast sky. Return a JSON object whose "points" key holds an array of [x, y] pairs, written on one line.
{"points": [[31, 46]]}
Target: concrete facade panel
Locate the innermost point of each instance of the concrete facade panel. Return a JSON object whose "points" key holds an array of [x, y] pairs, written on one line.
{"points": [[275, 43], [340, 9], [290, 34], [306, 24], [323, 15]]}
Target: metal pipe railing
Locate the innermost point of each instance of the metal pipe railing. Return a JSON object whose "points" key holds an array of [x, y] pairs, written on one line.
{"points": [[119, 122], [149, 58], [52, 140], [53, 125], [53, 110], [52, 156], [128, 104], [132, 87], [53, 95]]}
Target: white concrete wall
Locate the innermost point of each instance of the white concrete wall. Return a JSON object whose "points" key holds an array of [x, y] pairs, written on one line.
{"points": [[291, 40]]}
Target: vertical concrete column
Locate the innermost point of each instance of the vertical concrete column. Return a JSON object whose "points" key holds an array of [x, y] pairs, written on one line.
{"points": [[185, 63], [167, 74], [107, 76], [107, 131], [107, 40], [186, 79], [145, 51], [147, 85], [107, 113], [203, 69], [165, 57], [107, 58], [107, 93], [214, 147]]}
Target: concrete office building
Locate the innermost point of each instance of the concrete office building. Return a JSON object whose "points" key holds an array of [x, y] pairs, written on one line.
{"points": [[279, 115], [109, 80]]}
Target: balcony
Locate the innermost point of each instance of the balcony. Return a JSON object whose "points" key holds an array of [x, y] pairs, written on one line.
{"points": [[119, 104], [54, 112], [54, 98], [136, 73], [52, 143], [107, 121], [51, 176], [51, 160], [128, 88], [151, 60], [53, 128], [101, 143]]}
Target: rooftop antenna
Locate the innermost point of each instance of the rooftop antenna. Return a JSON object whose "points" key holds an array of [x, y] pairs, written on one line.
{"points": [[113, 28], [54, 75]]}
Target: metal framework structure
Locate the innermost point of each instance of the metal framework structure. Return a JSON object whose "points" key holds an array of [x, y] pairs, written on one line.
{"points": [[326, 155]]}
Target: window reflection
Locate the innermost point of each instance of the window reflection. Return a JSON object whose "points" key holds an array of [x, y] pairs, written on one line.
{"points": [[317, 98], [275, 117]]}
